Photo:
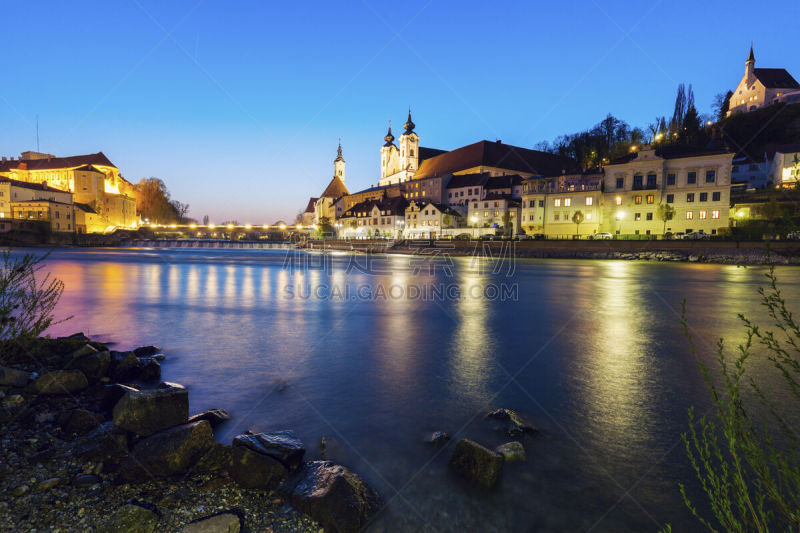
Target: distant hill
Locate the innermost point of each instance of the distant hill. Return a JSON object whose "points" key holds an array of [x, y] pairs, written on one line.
{"points": [[753, 132]]}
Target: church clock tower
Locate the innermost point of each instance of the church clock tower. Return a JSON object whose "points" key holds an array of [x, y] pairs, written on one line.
{"points": [[338, 164], [409, 147]]}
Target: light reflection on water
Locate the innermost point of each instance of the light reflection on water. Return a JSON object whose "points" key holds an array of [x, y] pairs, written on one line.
{"points": [[596, 348]]}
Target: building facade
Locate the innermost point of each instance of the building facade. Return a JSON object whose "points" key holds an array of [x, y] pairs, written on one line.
{"points": [[760, 87], [428, 220]]}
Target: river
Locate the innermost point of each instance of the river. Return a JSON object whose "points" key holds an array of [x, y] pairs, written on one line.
{"points": [[373, 354]]}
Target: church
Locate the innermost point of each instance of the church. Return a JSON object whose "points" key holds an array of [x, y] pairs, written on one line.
{"points": [[761, 87]]}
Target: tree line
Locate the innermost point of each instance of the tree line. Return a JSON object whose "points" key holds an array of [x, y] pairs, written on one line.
{"points": [[154, 203]]}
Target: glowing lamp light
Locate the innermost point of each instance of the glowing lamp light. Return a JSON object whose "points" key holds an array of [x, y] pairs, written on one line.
{"points": [[740, 214], [192, 226], [283, 226], [315, 226], [229, 226], [266, 226], [248, 226], [211, 226], [620, 215], [474, 218], [299, 226], [173, 226]]}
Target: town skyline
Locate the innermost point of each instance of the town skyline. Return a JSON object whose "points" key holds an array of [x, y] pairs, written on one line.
{"points": [[278, 146]]}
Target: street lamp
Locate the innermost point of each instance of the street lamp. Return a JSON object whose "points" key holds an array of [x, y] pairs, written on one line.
{"points": [[474, 220], [619, 216]]}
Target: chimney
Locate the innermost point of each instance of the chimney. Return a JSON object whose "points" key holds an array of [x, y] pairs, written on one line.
{"points": [[498, 141], [5, 158]]}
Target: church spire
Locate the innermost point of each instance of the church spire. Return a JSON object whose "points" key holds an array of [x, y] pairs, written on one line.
{"points": [[409, 125], [752, 56], [389, 137], [339, 153]]}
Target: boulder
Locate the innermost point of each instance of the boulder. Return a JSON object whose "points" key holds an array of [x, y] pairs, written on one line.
{"points": [[13, 377], [438, 438], [86, 349], [94, 364], [215, 417], [253, 470], [79, 421], [148, 411], [146, 351], [476, 463], [61, 382], [166, 453], [106, 443], [516, 425], [125, 366], [217, 457], [131, 518], [221, 523], [282, 446], [150, 369], [333, 496], [511, 451], [110, 394]]}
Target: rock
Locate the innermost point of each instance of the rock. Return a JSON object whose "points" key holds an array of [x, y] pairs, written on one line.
{"points": [[13, 377], [282, 446], [76, 337], [438, 438], [166, 453], [111, 394], [215, 417], [148, 411], [253, 470], [93, 364], [61, 382], [517, 425], [221, 523], [333, 495], [48, 483], [20, 490], [85, 480], [86, 349], [131, 518], [106, 443], [511, 451], [146, 351], [79, 421], [150, 369], [13, 401], [124, 366], [217, 457], [472, 461]]}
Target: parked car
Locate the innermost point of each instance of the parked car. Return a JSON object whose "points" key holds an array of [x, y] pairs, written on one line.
{"points": [[793, 235], [462, 237], [680, 235], [696, 235], [523, 237], [539, 237], [600, 236]]}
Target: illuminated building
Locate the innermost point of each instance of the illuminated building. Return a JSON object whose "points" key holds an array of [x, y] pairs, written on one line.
{"points": [[549, 205], [762, 87], [92, 179], [784, 165], [428, 220], [324, 205], [22, 204], [374, 219]]}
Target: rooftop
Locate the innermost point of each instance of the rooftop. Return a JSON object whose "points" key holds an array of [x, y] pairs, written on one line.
{"points": [[57, 162]]}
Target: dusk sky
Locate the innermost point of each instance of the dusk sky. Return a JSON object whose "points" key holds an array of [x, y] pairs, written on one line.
{"points": [[239, 106]]}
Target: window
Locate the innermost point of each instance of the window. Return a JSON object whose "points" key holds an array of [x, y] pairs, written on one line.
{"points": [[691, 178], [637, 216], [715, 214], [651, 198], [567, 202], [531, 203], [689, 216], [469, 192], [620, 183], [588, 216], [589, 200], [702, 215], [530, 217], [711, 176], [651, 181], [557, 202], [690, 197], [670, 179], [618, 200], [485, 214], [496, 213], [474, 206], [670, 198], [637, 200], [649, 216], [716, 196], [555, 217], [703, 196], [541, 203], [637, 181]]}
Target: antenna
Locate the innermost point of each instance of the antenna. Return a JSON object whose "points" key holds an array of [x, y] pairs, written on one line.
{"points": [[37, 133]]}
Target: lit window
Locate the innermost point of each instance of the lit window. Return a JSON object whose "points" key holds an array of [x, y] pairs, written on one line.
{"points": [[637, 216], [555, 217], [702, 215], [557, 202], [567, 202], [618, 200], [486, 214], [689, 215], [589, 200], [715, 214], [588, 216], [651, 198], [637, 199], [496, 213]]}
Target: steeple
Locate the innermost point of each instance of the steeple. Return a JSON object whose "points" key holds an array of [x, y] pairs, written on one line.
{"points": [[389, 137], [409, 125], [750, 65], [752, 57], [339, 153]]}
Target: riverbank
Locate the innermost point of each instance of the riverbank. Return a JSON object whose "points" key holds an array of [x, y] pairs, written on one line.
{"points": [[719, 252], [93, 440]]}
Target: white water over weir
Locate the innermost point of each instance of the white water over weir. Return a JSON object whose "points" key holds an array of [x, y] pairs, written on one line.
{"points": [[210, 243]]}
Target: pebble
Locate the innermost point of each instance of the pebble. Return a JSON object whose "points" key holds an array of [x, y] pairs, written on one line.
{"points": [[48, 483]]}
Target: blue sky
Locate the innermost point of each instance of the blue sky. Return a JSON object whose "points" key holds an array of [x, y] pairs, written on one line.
{"points": [[238, 106]]}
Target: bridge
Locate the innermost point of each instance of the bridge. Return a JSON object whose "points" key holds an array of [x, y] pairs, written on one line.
{"points": [[211, 243]]}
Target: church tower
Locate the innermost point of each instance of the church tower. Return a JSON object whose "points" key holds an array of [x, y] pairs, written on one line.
{"points": [[387, 169], [338, 164], [409, 147], [750, 66]]}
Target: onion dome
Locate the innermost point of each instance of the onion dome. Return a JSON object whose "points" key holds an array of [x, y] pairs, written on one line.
{"points": [[409, 125], [339, 153], [389, 138]]}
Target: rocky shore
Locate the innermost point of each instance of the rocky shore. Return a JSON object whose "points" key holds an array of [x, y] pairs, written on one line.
{"points": [[93, 440]]}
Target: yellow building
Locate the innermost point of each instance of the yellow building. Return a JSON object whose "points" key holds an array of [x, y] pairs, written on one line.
{"points": [[93, 179], [696, 185], [36, 202], [550, 204]]}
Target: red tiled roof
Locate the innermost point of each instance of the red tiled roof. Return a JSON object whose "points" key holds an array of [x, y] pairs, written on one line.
{"points": [[58, 162], [335, 189]]}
